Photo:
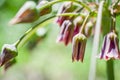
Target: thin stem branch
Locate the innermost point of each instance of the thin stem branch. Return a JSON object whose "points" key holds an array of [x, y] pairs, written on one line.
{"points": [[70, 14], [92, 72], [84, 23], [31, 31]]}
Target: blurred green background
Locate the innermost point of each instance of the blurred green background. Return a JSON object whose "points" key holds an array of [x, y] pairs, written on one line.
{"points": [[48, 60]]}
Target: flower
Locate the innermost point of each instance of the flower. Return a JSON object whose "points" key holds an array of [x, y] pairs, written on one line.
{"points": [[66, 7], [27, 13], [110, 48], [66, 32], [77, 24], [8, 53], [78, 45]]}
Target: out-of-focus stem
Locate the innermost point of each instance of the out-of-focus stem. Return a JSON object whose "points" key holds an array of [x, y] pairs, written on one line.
{"points": [[92, 72]]}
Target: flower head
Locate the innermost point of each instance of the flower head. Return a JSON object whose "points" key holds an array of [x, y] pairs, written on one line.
{"points": [[110, 48], [78, 44], [8, 53], [27, 13]]}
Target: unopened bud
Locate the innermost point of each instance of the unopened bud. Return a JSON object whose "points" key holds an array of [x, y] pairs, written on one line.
{"points": [[8, 52], [27, 13], [46, 10]]}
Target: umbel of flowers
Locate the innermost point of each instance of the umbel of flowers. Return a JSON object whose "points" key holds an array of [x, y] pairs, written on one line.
{"points": [[77, 22]]}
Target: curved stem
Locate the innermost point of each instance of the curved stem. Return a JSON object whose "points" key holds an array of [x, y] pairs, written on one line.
{"points": [[31, 31], [57, 1]]}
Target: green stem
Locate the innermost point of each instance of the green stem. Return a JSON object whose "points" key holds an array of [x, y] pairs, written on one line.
{"points": [[84, 23], [71, 14], [92, 72], [32, 30], [110, 69], [57, 1]]}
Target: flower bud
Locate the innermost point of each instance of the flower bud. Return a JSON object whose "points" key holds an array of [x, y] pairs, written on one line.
{"points": [[46, 10], [27, 13], [78, 44], [110, 48], [66, 32], [8, 52]]}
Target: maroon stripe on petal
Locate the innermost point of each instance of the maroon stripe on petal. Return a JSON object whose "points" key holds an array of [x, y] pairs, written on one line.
{"points": [[103, 48], [78, 53]]}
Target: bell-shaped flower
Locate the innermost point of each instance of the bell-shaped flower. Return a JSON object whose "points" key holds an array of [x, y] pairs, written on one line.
{"points": [[78, 44], [110, 48], [66, 7], [77, 24], [8, 53], [66, 32], [27, 13]]}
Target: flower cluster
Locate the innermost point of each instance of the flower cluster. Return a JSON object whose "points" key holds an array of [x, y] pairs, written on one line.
{"points": [[77, 24], [76, 29]]}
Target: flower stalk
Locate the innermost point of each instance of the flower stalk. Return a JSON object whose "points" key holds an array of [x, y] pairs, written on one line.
{"points": [[31, 31], [92, 72]]}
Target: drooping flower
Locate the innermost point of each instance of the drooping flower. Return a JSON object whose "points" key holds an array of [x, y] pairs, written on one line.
{"points": [[78, 44], [77, 24], [27, 13], [66, 7], [66, 32], [8, 53], [110, 48]]}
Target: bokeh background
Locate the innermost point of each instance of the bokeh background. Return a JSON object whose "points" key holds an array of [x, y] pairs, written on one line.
{"points": [[47, 60]]}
